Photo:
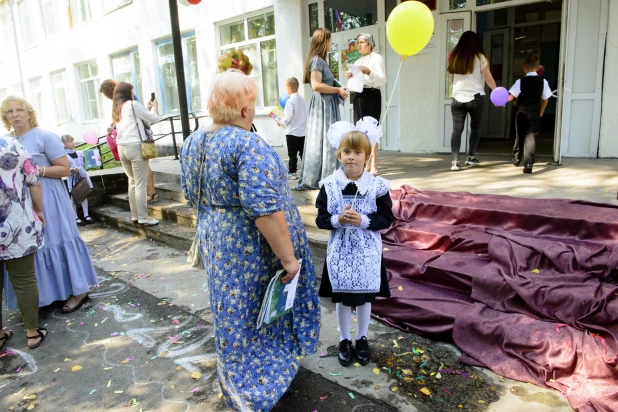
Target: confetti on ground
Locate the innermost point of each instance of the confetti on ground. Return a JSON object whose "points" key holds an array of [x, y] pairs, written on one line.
{"points": [[118, 392], [195, 389], [92, 391], [400, 288], [57, 370], [376, 371], [351, 395], [196, 375], [109, 383], [334, 374], [562, 325], [536, 271], [31, 407], [323, 397], [425, 391], [394, 389], [322, 355], [106, 369], [76, 368]]}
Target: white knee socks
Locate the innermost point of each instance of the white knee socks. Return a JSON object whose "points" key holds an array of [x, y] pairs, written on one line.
{"points": [[363, 313], [344, 315]]}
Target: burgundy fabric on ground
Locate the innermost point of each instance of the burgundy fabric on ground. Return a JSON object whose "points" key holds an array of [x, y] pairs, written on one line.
{"points": [[467, 267]]}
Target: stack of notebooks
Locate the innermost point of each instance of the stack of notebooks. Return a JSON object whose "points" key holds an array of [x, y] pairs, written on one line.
{"points": [[279, 298]]}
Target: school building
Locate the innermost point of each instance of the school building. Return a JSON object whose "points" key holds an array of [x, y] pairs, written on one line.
{"points": [[56, 53]]}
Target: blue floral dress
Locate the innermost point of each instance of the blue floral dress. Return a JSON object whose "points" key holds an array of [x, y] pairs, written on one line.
{"points": [[233, 176]]}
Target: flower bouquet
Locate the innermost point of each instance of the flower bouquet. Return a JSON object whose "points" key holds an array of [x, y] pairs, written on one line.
{"points": [[235, 59]]}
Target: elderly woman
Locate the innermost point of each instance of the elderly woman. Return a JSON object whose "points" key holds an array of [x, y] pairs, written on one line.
{"points": [[64, 270], [248, 228], [319, 157], [369, 101], [21, 234]]}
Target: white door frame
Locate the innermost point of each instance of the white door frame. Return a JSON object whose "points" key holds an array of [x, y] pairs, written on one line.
{"points": [[444, 118]]}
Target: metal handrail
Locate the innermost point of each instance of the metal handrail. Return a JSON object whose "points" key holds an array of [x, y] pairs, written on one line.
{"points": [[173, 133]]}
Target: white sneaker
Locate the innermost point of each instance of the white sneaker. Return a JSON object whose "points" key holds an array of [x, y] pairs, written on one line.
{"points": [[150, 222], [292, 176], [455, 165]]}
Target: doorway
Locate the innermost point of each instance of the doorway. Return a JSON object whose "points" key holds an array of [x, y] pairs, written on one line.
{"points": [[508, 36]]}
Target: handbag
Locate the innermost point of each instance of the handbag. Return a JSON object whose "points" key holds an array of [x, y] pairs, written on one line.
{"points": [[149, 149], [81, 189]]}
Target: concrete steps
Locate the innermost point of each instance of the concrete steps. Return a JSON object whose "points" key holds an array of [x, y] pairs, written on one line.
{"points": [[177, 221]]}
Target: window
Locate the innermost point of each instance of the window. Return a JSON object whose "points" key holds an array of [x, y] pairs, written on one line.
{"points": [[314, 18], [89, 86], [457, 4], [167, 75], [80, 11], [255, 36], [36, 85], [61, 96], [25, 18], [7, 45], [51, 17], [126, 68], [348, 15], [111, 5]]}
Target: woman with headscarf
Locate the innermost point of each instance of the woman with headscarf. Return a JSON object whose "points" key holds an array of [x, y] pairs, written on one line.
{"points": [[64, 270], [369, 101]]}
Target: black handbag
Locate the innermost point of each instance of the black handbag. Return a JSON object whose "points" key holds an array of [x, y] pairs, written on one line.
{"points": [[81, 189]]}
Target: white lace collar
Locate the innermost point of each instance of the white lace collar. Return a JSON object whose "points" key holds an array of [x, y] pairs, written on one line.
{"points": [[363, 183]]}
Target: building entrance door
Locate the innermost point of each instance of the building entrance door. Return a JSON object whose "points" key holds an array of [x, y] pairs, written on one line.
{"points": [[496, 44]]}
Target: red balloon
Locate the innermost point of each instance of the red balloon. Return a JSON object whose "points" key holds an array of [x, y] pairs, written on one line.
{"points": [[195, 1], [541, 70]]}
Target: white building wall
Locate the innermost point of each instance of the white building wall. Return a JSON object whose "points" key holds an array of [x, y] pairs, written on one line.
{"points": [[608, 143]]}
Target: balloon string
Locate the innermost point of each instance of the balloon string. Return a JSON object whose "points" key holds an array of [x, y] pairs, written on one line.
{"points": [[392, 92]]}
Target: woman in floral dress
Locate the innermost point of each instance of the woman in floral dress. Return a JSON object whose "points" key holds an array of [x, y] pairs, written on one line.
{"points": [[248, 228]]}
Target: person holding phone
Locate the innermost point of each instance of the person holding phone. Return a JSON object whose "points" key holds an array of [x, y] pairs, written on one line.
{"points": [[107, 89]]}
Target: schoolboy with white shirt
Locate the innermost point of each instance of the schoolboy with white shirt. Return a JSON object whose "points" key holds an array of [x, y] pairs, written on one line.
{"points": [[532, 93], [295, 122]]}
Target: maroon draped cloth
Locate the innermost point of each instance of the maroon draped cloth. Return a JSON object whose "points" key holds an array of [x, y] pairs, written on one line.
{"points": [[525, 287]]}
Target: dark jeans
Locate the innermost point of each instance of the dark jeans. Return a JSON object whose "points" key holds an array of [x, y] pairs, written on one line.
{"points": [[525, 138], [460, 111], [296, 145]]}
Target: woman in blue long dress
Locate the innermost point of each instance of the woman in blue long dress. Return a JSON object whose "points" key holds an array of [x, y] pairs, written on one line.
{"points": [[248, 228], [319, 157], [63, 266]]}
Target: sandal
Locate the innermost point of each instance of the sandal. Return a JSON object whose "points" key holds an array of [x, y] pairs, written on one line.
{"points": [[40, 335], [7, 337], [152, 197], [76, 307], [89, 220]]}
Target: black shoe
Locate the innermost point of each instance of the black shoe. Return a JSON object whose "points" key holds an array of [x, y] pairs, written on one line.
{"points": [[80, 222], [516, 164], [528, 168], [88, 220], [345, 353], [362, 351]]}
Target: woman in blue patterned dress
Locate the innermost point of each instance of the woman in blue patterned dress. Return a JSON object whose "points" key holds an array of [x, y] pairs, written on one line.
{"points": [[248, 227], [319, 158]]}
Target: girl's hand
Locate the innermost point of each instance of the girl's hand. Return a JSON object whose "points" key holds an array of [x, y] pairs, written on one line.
{"points": [[348, 75], [350, 216], [343, 93], [291, 267]]}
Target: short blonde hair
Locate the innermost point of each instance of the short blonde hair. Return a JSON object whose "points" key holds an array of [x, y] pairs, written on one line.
{"points": [[231, 92], [66, 137], [27, 106], [355, 140], [292, 82]]}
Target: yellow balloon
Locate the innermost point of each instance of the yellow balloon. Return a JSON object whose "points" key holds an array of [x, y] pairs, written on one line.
{"points": [[409, 28]]}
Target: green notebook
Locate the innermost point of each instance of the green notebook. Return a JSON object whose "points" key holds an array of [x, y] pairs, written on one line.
{"points": [[279, 298]]}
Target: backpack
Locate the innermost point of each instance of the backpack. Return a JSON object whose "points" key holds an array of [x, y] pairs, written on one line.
{"points": [[111, 142]]}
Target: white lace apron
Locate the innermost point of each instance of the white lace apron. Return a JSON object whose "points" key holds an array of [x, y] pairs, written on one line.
{"points": [[354, 253]]}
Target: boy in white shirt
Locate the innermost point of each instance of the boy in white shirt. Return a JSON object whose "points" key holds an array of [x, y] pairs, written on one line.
{"points": [[295, 122], [532, 93]]}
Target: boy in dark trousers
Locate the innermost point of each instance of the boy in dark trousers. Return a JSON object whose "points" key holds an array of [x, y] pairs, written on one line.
{"points": [[532, 93], [295, 123]]}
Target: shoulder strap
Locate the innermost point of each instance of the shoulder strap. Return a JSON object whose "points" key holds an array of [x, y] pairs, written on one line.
{"points": [[136, 122]]}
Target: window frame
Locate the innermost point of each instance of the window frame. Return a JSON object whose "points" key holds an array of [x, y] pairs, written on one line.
{"points": [[257, 65], [8, 29], [135, 74], [28, 4], [85, 99], [40, 110], [55, 17], [69, 118], [162, 97], [72, 3], [123, 3]]}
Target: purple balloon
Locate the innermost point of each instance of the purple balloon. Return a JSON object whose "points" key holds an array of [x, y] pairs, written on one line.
{"points": [[499, 96]]}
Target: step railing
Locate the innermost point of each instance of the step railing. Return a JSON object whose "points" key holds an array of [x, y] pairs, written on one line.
{"points": [[173, 133]]}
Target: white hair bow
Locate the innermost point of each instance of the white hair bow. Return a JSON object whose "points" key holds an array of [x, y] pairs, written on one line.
{"points": [[367, 125]]}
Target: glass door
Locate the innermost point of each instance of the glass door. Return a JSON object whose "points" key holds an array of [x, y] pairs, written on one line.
{"points": [[452, 26], [496, 44]]}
